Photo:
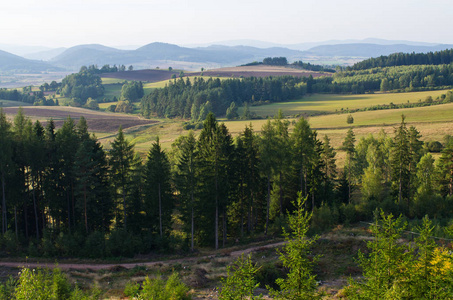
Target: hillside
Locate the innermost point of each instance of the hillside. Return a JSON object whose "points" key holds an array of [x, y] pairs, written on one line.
{"points": [[10, 62], [371, 50]]}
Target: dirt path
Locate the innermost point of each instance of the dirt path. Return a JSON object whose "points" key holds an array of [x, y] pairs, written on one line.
{"points": [[75, 266]]}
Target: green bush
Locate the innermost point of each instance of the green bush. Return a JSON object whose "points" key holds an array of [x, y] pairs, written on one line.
{"points": [[94, 245], [132, 289], [323, 218], [268, 273], [121, 243], [158, 288]]}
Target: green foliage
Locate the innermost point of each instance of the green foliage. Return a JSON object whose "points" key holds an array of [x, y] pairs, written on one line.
{"points": [[82, 86], [300, 282], [132, 289], [41, 284], [132, 91], [385, 267], [350, 119], [158, 288], [124, 106], [395, 270], [240, 282], [275, 61], [92, 104], [232, 112], [185, 98], [401, 59]]}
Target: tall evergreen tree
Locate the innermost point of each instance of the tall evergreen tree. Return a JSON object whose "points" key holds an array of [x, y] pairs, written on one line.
{"points": [[329, 168], [121, 168], [5, 162], [304, 151], [158, 194], [215, 148], [186, 180], [400, 162], [349, 148], [268, 161], [91, 183], [67, 141]]}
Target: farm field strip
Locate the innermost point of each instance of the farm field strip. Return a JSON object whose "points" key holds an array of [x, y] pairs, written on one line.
{"points": [[327, 103], [429, 114], [97, 121]]}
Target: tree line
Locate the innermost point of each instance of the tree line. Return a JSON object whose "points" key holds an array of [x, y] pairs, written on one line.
{"points": [[61, 185], [15, 95], [444, 57], [188, 99]]}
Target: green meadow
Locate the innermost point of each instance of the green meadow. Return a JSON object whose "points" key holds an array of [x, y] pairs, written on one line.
{"points": [[327, 103]]}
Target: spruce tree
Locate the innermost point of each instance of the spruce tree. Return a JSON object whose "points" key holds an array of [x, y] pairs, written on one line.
{"points": [[349, 148], [158, 195], [300, 283], [187, 168], [5, 163], [121, 163]]}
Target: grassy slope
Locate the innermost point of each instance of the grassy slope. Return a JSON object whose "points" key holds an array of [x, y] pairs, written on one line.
{"points": [[320, 103]]}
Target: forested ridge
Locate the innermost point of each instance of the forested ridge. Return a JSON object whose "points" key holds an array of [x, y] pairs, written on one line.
{"points": [[63, 194], [443, 57], [187, 99]]}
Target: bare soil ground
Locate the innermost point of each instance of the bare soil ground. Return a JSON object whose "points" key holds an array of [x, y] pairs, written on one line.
{"points": [[97, 121], [204, 271], [246, 71], [259, 71], [142, 75]]}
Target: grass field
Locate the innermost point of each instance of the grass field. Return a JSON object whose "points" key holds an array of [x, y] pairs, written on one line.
{"points": [[321, 103], [9, 103], [430, 114], [106, 80]]}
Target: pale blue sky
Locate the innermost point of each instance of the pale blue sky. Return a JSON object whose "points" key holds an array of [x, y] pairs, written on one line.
{"points": [[139, 22]]}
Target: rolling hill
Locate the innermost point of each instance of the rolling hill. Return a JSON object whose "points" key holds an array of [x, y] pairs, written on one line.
{"points": [[371, 50], [13, 63]]}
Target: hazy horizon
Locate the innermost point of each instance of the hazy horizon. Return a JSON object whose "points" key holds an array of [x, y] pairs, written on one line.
{"points": [[56, 23]]}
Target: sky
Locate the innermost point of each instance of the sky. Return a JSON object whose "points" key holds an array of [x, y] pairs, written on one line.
{"points": [[65, 23]]}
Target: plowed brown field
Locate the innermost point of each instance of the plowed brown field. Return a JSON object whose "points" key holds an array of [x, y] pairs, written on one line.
{"points": [[246, 71], [97, 121]]}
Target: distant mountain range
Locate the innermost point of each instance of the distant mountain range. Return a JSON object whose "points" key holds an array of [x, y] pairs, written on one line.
{"points": [[227, 53], [10, 62]]}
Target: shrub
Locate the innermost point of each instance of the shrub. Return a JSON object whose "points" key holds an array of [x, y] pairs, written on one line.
{"points": [[240, 282], [132, 289], [350, 119], [172, 289], [94, 245], [121, 243]]}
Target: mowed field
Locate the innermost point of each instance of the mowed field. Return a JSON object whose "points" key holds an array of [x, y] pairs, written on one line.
{"points": [[156, 75], [322, 103], [97, 121], [259, 71], [9, 103], [150, 75]]}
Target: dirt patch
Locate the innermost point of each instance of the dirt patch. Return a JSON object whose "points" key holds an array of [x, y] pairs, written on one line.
{"points": [[141, 75], [246, 71], [259, 71], [97, 121]]}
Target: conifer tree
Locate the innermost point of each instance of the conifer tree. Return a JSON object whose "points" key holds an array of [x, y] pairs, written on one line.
{"points": [[121, 167], [158, 196], [268, 161], [400, 161], [5, 162], [349, 147], [300, 282], [304, 151], [186, 179]]}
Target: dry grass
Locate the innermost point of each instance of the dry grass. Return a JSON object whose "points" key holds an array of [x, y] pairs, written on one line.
{"points": [[97, 121], [327, 103]]}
